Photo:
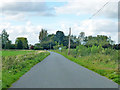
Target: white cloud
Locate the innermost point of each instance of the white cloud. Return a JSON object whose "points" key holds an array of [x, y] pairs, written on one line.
{"points": [[81, 7], [90, 27], [119, 37], [18, 7], [20, 10], [94, 27], [30, 31], [16, 17]]}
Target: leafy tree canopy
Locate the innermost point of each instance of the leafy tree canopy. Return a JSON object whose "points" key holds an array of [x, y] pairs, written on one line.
{"points": [[6, 43], [23, 41]]}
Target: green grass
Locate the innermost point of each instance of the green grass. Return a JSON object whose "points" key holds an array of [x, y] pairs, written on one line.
{"points": [[0, 72], [17, 65], [15, 52], [0, 79], [104, 65]]}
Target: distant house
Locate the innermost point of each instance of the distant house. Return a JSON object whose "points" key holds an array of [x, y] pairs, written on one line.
{"points": [[31, 46]]}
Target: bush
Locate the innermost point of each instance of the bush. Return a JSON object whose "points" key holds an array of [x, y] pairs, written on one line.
{"points": [[94, 49], [56, 47], [82, 50], [38, 48]]}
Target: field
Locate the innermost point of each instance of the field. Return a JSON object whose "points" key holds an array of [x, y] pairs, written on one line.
{"points": [[102, 61], [16, 63], [15, 52], [0, 70]]}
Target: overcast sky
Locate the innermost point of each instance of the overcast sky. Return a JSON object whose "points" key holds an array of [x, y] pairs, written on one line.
{"points": [[25, 19]]}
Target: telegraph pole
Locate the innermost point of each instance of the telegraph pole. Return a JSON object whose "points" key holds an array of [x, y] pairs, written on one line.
{"points": [[69, 41]]}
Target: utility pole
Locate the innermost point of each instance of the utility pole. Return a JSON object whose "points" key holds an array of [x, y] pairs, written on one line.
{"points": [[69, 41]]}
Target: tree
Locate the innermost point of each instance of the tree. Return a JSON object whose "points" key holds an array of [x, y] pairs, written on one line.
{"points": [[59, 37], [74, 38], [19, 44], [65, 41], [48, 42], [13, 46], [24, 42], [5, 40], [97, 41], [43, 34], [111, 41], [81, 37], [0, 42], [38, 46]]}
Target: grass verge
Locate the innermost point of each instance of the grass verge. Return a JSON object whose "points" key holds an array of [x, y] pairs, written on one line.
{"points": [[17, 65], [96, 63]]}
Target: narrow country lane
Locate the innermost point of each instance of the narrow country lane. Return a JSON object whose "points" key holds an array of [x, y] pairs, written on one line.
{"points": [[56, 71]]}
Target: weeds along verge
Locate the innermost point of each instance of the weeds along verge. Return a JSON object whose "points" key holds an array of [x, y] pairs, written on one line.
{"points": [[102, 61], [14, 67]]}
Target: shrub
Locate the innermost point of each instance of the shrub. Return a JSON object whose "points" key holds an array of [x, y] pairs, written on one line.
{"points": [[82, 50], [94, 49]]}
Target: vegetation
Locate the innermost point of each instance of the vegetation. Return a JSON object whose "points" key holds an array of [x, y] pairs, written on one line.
{"points": [[15, 65], [5, 40], [54, 41], [51, 41], [96, 58], [0, 70], [15, 52], [98, 53], [43, 34], [21, 43]]}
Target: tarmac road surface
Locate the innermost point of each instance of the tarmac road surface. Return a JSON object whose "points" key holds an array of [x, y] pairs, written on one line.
{"points": [[56, 71]]}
